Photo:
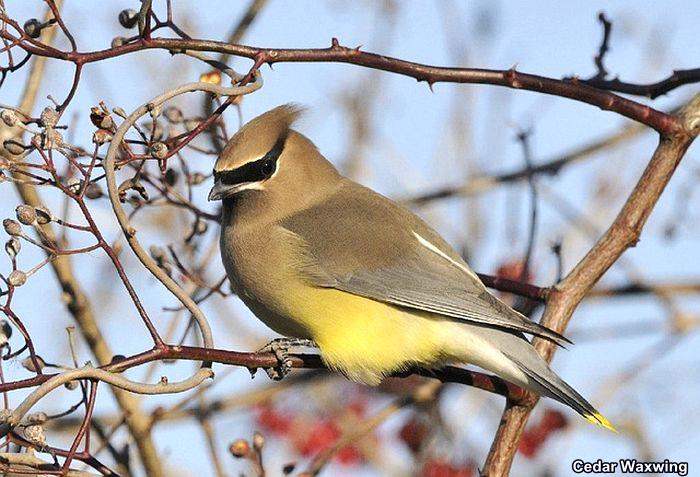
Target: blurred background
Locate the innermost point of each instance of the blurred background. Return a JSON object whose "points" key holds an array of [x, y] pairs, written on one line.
{"points": [[633, 356]]}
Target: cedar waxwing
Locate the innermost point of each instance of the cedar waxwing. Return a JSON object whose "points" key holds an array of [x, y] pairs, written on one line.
{"points": [[319, 257]]}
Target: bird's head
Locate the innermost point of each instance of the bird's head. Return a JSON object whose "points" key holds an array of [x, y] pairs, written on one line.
{"points": [[266, 155]]}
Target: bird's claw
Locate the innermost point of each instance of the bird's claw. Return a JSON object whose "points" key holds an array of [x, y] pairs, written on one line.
{"points": [[280, 348]]}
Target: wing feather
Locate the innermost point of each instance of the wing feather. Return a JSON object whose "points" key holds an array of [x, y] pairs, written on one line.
{"points": [[362, 243]]}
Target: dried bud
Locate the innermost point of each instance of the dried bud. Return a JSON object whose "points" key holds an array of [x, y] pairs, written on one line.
{"points": [[101, 118], [200, 227], [171, 176], [131, 184], [74, 184], [101, 136], [49, 139], [49, 117], [35, 435], [37, 418], [32, 28], [159, 150], [173, 114], [12, 227], [26, 214], [93, 191], [9, 117], [5, 415], [28, 364], [17, 278], [5, 333], [239, 448], [71, 385], [5, 329], [14, 147], [213, 77], [43, 215], [258, 441], [119, 112], [163, 380], [118, 41], [128, 18], [13, 247], [196, 178]]}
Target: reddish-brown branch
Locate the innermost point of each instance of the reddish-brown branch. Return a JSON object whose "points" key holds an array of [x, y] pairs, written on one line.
{"points": [[523, 289], [650, 90], [563, 299], [604, 47], [84, 427], [84, 457], [253, 361], [568, 88]]}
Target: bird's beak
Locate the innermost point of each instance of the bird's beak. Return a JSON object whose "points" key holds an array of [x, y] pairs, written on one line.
{"points": [[219, 191]]}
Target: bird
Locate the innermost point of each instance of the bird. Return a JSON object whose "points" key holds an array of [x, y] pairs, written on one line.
{"points": [[325, 261]]}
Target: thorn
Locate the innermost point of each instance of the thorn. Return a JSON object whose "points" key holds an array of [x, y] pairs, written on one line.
{"points": [[335, 43], [258, 60], [430, 85]]}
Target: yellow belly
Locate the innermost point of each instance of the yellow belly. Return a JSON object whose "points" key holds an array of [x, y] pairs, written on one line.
{"points": [[366, 339]]}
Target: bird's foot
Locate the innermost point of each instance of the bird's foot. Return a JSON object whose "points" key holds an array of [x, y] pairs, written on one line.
{"points": [[280, 347]]}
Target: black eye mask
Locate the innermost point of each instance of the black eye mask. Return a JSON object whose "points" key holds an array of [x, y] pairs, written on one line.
{"points": [[255, 171]]}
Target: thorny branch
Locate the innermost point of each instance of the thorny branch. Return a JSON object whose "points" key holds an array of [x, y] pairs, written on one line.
{"points": [[137, 148], [572, 89], [568, 293]]}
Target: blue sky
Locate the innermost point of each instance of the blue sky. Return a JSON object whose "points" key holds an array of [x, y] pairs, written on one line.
{"points": [[416, 147]]}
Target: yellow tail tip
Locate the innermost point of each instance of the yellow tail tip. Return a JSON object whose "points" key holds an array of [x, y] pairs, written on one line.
{"points": [[600, 420]]}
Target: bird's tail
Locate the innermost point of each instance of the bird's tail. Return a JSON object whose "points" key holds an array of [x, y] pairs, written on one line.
{"points": [[553, 386]]}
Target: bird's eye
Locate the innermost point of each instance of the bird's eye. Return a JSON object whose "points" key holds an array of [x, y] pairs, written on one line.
{"points": [[268, 167]]}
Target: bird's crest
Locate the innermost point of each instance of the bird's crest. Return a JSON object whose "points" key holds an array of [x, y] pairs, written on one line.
{"points": [[258, 136]]}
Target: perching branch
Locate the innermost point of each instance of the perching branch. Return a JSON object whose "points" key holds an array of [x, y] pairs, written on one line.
{"points": [[150, 146], [562, 301]]}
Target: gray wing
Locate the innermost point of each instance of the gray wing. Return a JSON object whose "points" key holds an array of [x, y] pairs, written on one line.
{"points": [[361, 242]]}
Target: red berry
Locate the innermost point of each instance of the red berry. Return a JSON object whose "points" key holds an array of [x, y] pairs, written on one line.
{"points": [[413, 433], [436, 468], [512, 270], [349, 455], [553, 420], [537, 434], [320, 436], [273, 421]]}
